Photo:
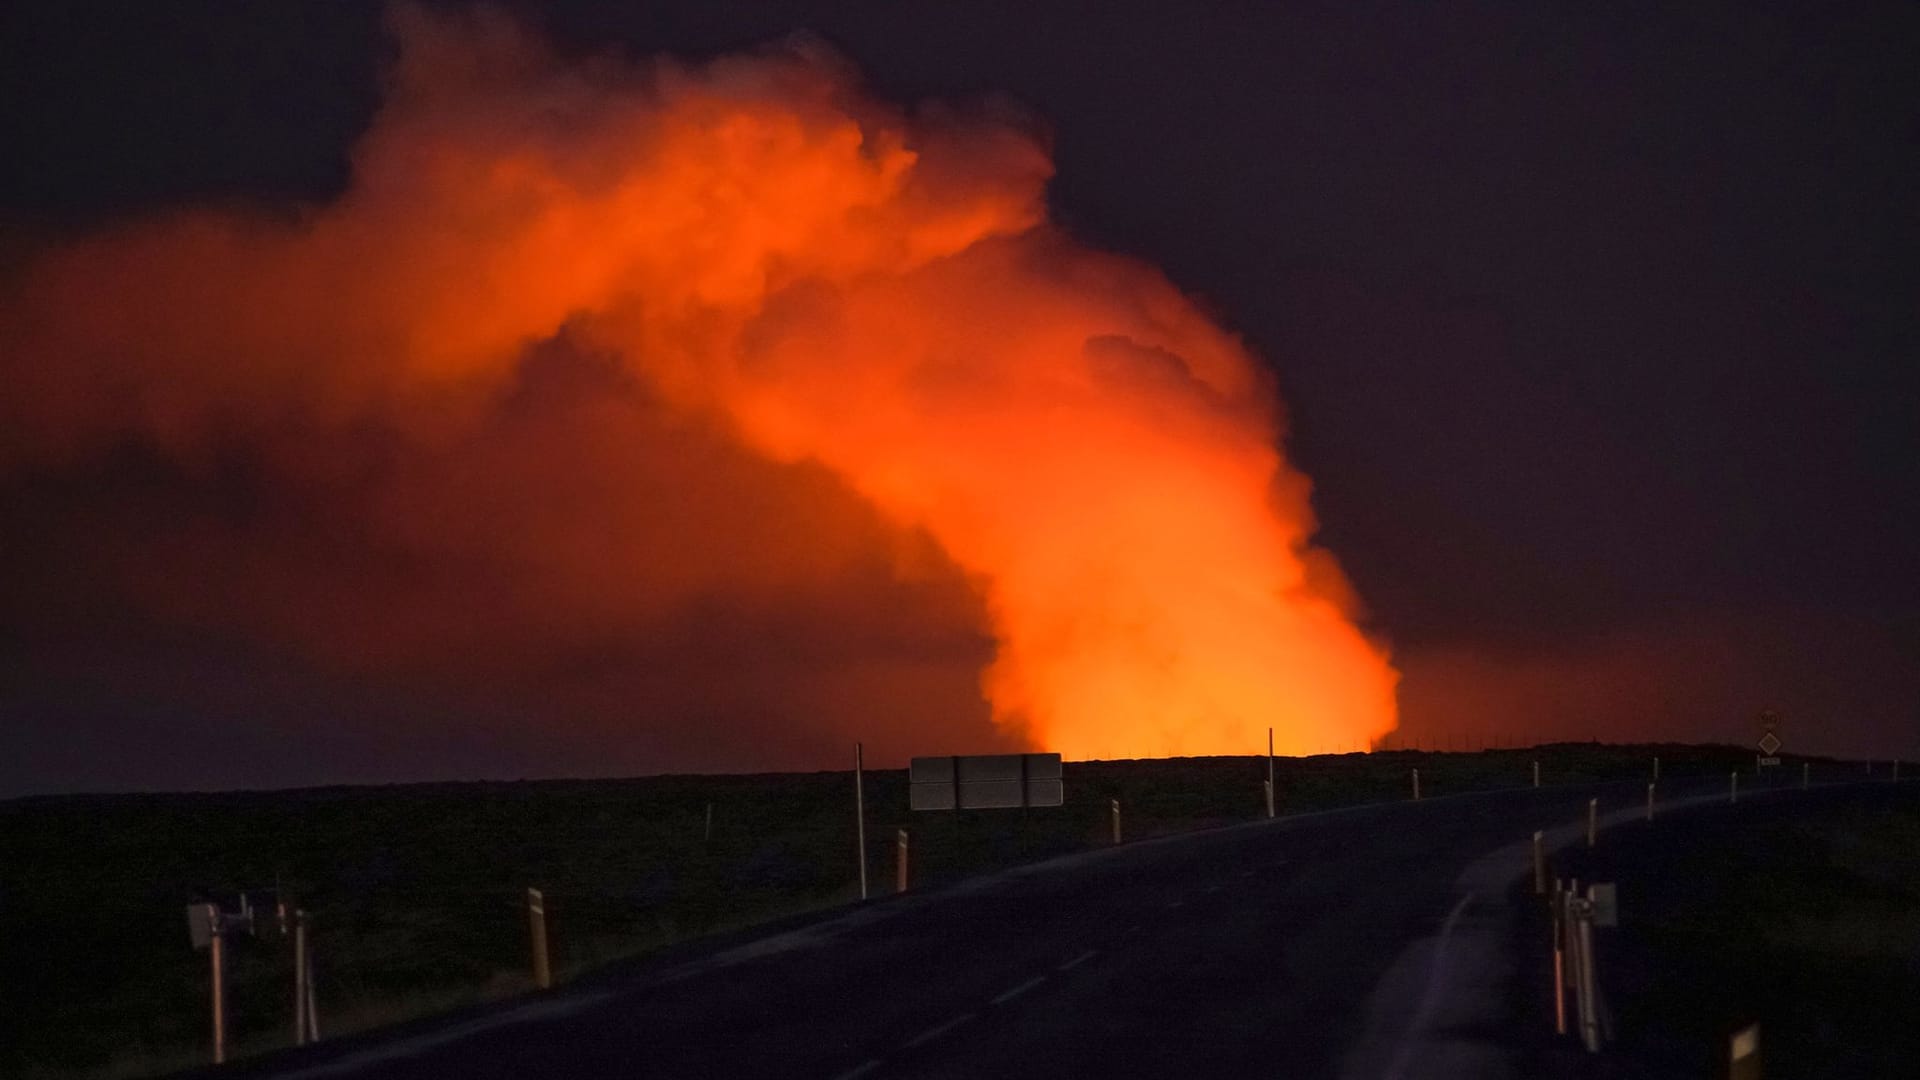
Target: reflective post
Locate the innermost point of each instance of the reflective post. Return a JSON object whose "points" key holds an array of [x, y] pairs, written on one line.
{"points": [[299, 978], [1416, 785], [1269, 772], [1536, 774], [1656, 768], [1805, 770], [1113, 806], [1733, 788], [900, 862], [1743, 1054], [217, 949], [1539, 863], [1649, 802], [1593, 821], [537, 931]]}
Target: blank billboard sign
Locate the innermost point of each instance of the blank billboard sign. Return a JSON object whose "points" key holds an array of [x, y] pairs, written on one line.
{"points": [[986, 782]]}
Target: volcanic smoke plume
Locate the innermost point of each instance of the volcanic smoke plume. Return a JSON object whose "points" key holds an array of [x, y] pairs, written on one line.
{"points": [[761, 272]]}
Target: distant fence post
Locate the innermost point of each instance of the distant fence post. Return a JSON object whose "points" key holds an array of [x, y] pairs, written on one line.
{"points": [[900, 862], [1744, 1054], [1113, 806], [537, 931]]}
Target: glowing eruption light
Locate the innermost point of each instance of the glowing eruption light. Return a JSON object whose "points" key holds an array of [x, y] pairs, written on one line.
{"points": [[829, 279]]}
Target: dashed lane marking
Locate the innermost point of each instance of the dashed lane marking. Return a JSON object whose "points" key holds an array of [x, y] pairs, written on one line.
{"points": [[933, 1033], [859, 1070], [1021, 989], [1078, 960]]}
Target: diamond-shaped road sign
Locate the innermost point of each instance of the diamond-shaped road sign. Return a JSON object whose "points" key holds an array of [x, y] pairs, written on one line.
{"points": [[1769, 744]]}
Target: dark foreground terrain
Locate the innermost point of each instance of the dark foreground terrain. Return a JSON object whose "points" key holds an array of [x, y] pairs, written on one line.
{"points": [[1800, 914], [417, 890]]}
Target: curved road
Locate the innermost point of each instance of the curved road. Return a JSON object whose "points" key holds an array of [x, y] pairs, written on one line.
{"points": [[1317, 945]]}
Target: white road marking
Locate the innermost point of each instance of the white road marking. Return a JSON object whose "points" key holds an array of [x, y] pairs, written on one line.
{"points": [[1175, 904], [1424, 1014], [1078, 960], [1021, 989], [933, 1033], [859, 1070], [1215, 888], [1134, 929]]}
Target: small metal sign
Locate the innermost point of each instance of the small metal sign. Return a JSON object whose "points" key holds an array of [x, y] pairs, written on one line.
{"points": [[994, 781], [1606, 903], [1769, 733]]}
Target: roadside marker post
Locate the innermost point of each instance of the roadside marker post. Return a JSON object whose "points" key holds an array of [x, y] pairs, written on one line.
{"points": [[1593, 821], [1114, 807], [216, 946], [707, 836], [1733, 788], [1559, 957], [1416, 785], [1539, 863], [900, 863], [1269, 772], [1536, 774], [1744, 1054], [299, 978], [1805, 769], [860, 811], [537, 932], [1650, 802], [1656, 768]]}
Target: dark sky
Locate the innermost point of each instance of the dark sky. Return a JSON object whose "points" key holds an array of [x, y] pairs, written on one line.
{"points": [[1596, 324]]}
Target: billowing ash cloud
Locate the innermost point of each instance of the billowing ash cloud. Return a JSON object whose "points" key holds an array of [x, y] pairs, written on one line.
{"points": [[714, 404]]}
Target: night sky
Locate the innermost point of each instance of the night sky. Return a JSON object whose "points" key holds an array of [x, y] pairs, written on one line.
{"points": [[1595, 325]]}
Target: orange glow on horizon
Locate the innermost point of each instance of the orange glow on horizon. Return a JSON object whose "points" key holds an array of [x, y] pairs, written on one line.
{"points": [[829, 279]]}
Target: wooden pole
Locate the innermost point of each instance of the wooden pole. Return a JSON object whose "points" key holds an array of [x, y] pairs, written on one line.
{"points": [[537, 929]]}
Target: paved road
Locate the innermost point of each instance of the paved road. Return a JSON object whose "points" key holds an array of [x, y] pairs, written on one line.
{"points": [[1290, 947]]}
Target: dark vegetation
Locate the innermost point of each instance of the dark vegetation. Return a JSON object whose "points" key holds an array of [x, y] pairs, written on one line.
{"points": [[417, 891], [1800, 913]]}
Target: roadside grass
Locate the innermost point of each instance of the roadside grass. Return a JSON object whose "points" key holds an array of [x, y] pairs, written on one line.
{"points": [[417, 891]]}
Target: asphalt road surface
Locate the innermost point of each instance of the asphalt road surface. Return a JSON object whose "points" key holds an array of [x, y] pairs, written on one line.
{"points": [[1308, 946]]}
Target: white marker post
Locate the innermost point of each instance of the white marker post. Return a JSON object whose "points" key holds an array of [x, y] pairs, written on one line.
{"points": [[1733, 788], [1649, 802], [1656, 768], [900, 863], [1593, 821], [1269, 772], [860, 811], [1536, 774], [1539, 863], [537, 933], [216, 947], [1416, 785], [1114, 807], [299, 978]]}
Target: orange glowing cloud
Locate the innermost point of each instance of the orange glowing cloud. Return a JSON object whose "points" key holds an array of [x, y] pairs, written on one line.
{"points": [[831, 284]]}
